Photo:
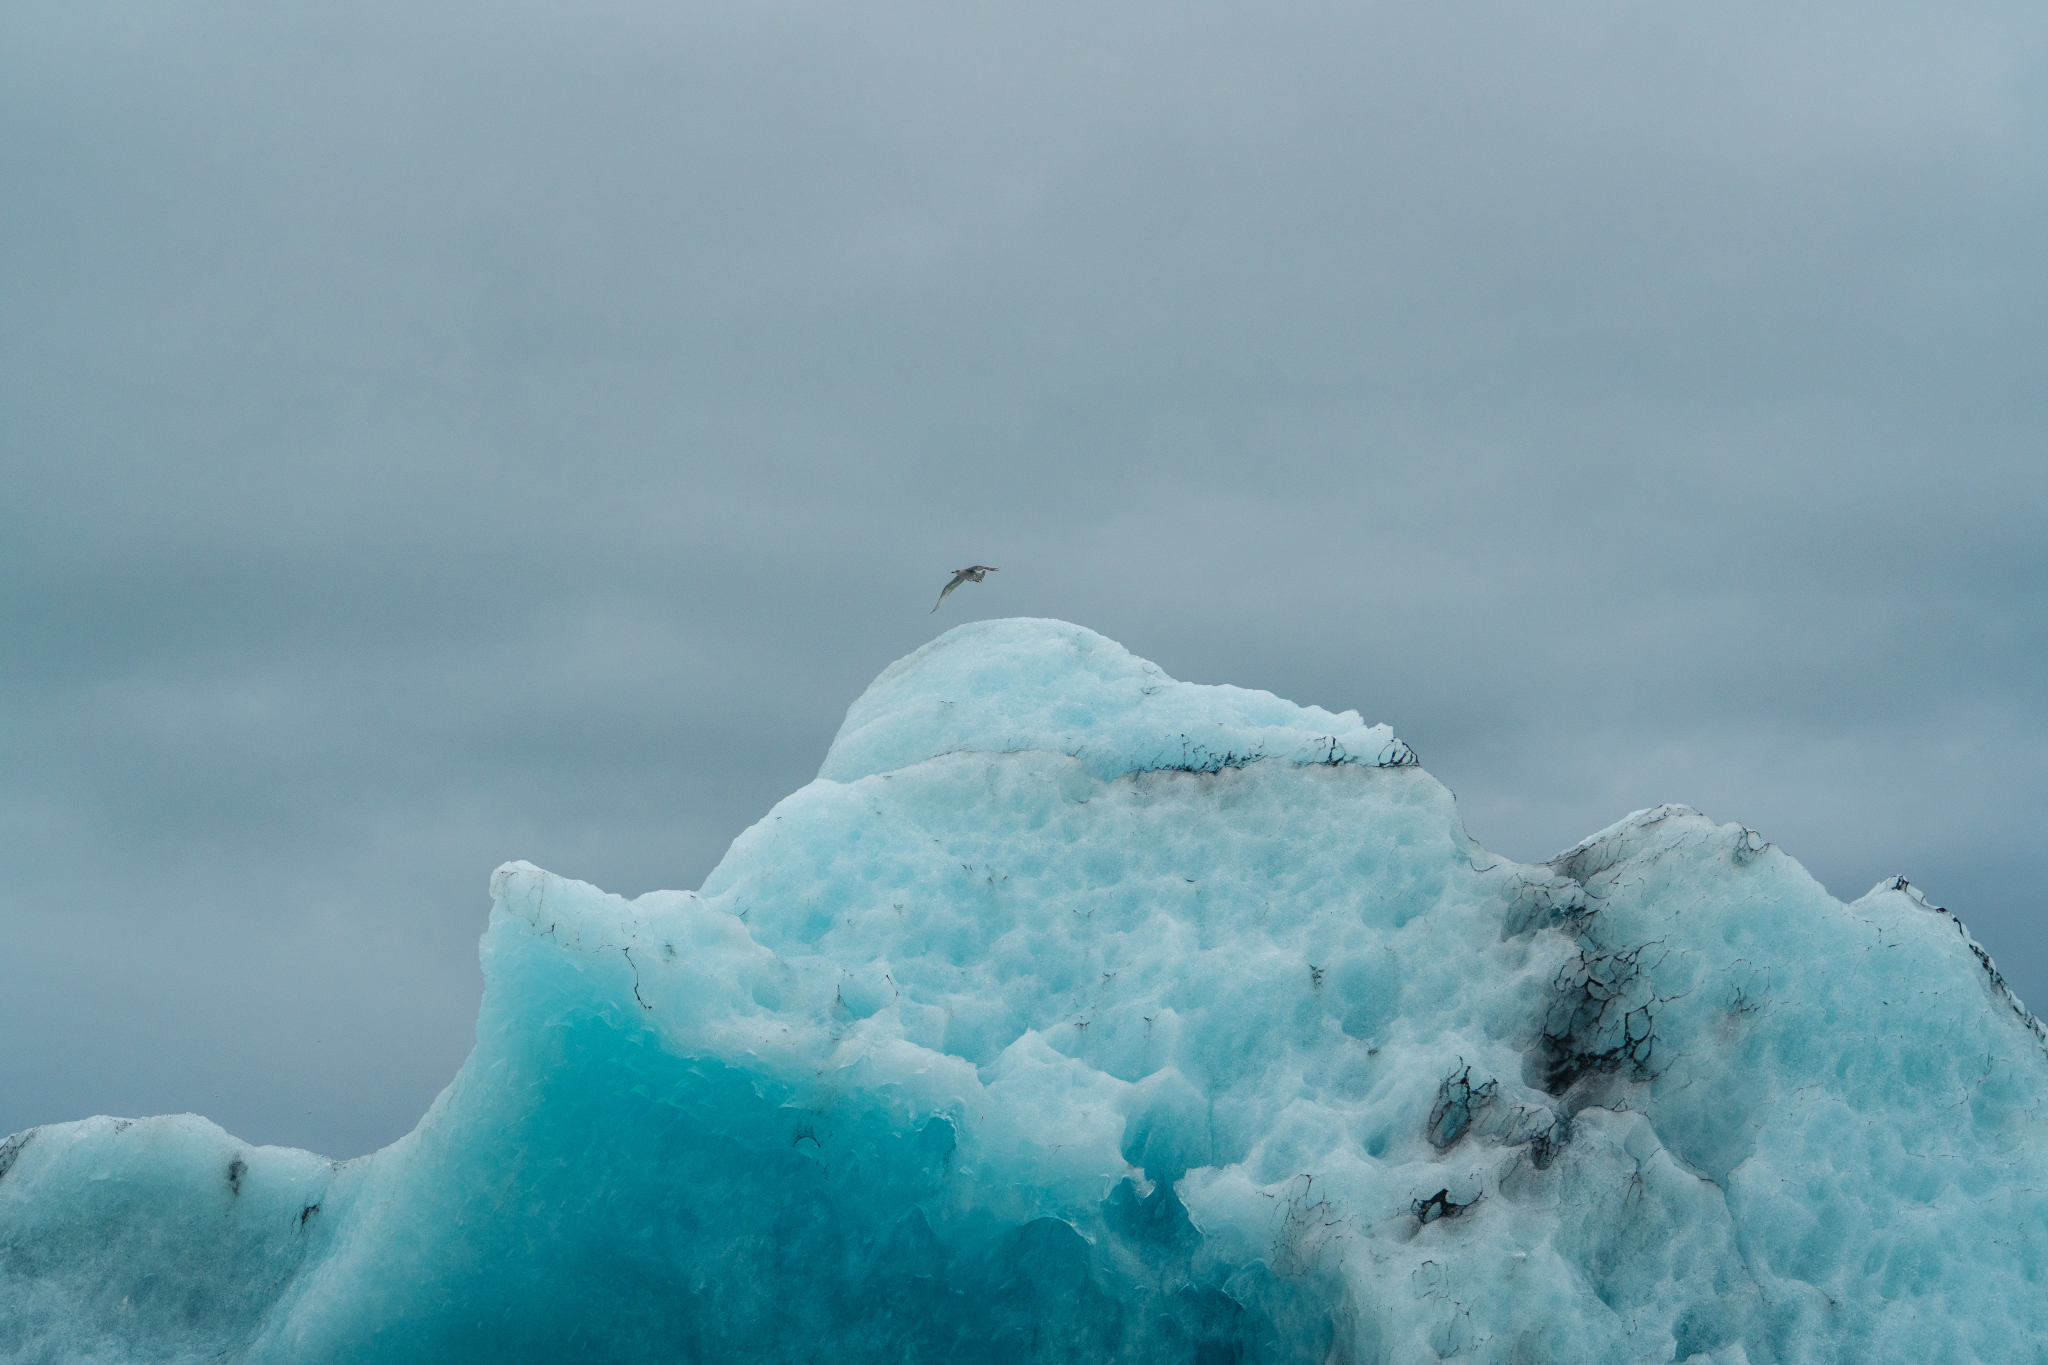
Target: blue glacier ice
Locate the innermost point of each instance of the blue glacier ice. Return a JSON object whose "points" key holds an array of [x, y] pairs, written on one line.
{"points": [[1078, 1014]]}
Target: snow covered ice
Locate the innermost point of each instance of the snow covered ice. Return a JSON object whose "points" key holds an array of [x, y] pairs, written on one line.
{"points": [[1078, 1014]]}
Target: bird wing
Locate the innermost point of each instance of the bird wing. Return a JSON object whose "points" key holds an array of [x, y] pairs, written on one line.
{"points": [[973, 571]]}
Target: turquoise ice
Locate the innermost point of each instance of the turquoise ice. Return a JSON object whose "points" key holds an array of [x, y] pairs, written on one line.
{"points": [[1078, 1014]]}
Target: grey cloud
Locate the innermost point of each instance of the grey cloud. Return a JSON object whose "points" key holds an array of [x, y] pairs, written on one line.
{"points": [[434, 436]]}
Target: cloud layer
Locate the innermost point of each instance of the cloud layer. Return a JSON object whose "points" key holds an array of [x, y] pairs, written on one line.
{"points": [[438, 437]]}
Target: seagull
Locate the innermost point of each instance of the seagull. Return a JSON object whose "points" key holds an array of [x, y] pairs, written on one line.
{"points": [[974, 572]]}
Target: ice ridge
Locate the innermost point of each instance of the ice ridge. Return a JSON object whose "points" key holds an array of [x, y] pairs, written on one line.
{"points": [[1013, 685], [1077, 1014]]}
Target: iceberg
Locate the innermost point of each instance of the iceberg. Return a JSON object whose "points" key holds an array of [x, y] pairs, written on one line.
{"points": [[1078, 1014]]}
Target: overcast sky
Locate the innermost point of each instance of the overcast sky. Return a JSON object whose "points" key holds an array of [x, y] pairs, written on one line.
{"points": [[432, 435]]}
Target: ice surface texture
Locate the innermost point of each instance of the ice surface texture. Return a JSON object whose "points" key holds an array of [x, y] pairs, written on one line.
{"points": [[1076, 1014]]}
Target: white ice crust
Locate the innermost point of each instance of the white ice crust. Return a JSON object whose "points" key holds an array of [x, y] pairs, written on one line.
{"points": [[1046, 686], [1077, 1013]]}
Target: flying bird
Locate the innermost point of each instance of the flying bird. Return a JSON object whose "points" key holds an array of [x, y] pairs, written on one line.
{"points": [[972, 573]]}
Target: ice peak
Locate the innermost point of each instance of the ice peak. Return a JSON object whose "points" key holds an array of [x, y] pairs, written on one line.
{"points": [[1024, 683]]}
